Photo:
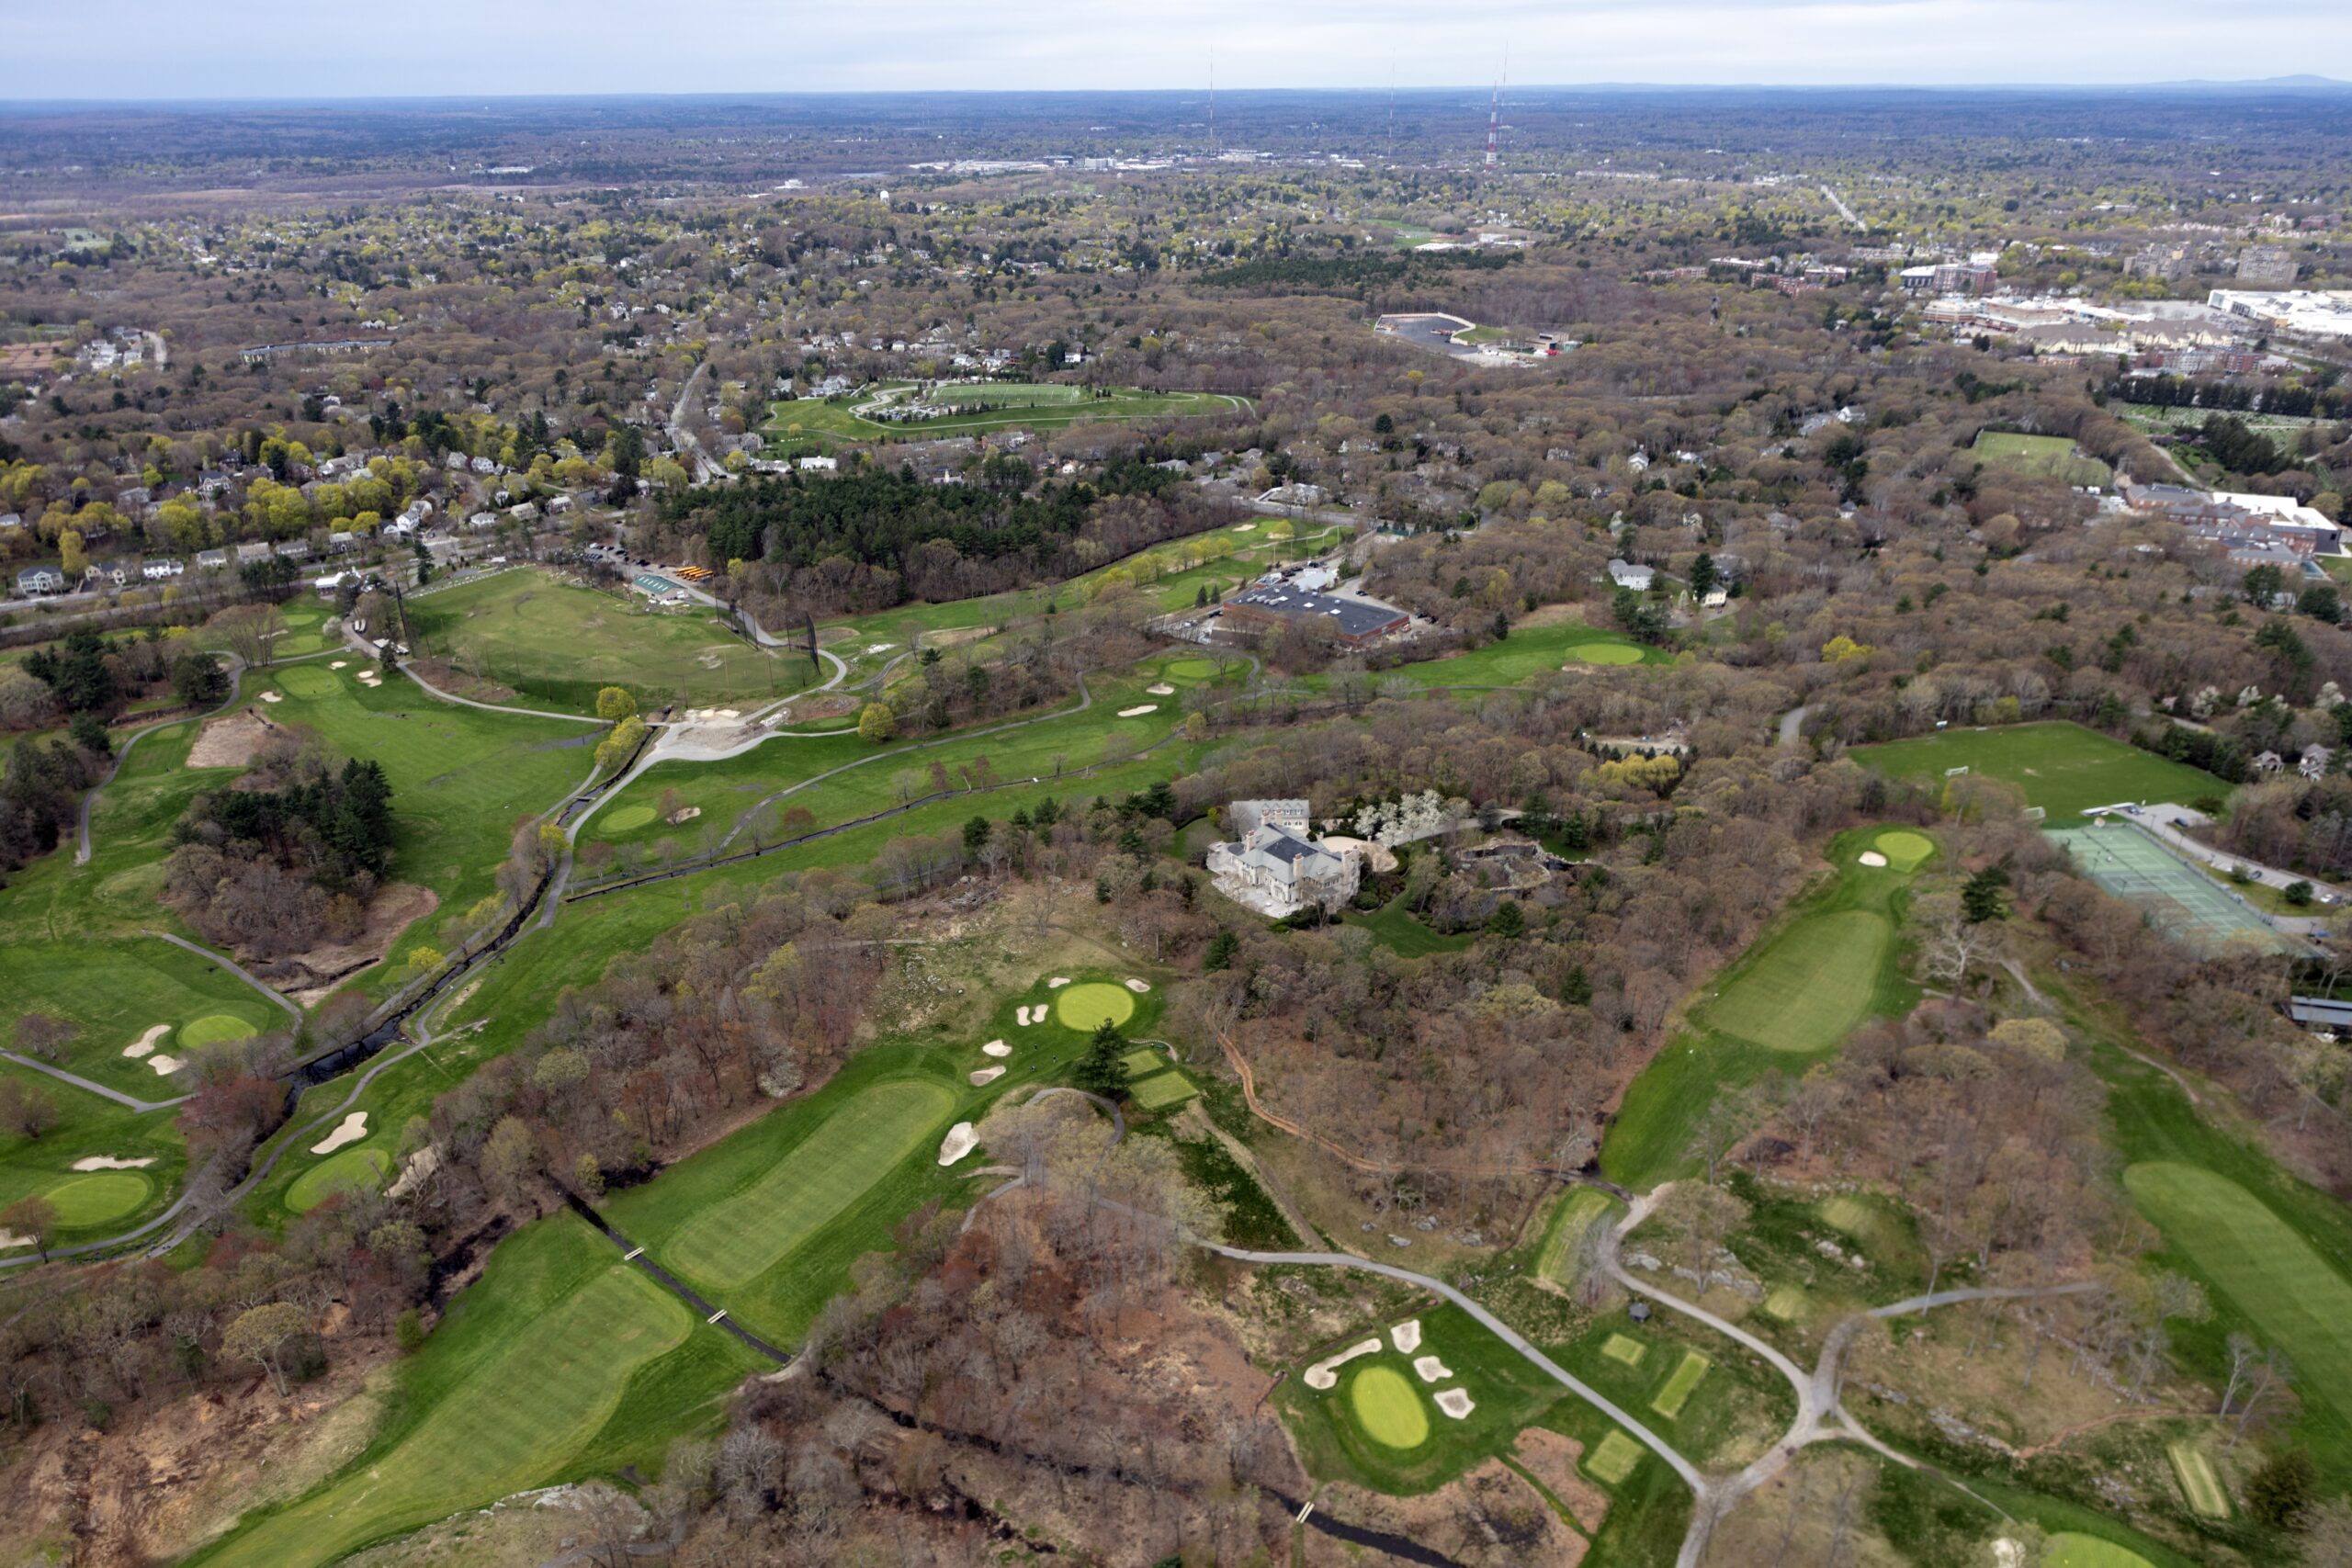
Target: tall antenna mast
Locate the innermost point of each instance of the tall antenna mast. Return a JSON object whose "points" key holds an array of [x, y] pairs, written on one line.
{"points": [[1392, 109], [1495, 111], [1212, 142]]}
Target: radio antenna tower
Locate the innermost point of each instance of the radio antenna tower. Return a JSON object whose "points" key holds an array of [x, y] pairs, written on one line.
{"points": [[1213, 145], [1495, 112]]}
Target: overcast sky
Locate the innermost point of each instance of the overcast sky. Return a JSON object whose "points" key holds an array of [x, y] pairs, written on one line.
{"points": [[147, 49]]}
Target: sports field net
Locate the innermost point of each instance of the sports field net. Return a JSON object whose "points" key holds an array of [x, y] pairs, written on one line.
{"points": [[2183, 903]]}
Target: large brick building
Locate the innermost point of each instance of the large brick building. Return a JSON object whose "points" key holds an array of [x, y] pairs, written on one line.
{"points": [[1271, 606]]}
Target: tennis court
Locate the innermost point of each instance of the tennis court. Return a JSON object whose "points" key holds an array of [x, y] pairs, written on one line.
{"points": [[2184, 904]]}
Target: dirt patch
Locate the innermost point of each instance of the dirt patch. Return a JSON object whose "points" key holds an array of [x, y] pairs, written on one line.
{"points": [[1489, 1518], [1552, 615], [955, 637], [230, 742], [309, 978], [1552, 1459], [449, 678], [817, 706]]}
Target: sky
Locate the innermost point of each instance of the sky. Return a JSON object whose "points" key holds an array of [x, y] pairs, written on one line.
{"points": [[233, 49]]}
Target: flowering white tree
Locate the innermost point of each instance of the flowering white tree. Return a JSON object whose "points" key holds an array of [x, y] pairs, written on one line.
{"points": [[1390, 823]]}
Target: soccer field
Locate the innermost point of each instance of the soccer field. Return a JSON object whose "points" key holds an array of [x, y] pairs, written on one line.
{"points": [[2049, 457], [2063, 768]]}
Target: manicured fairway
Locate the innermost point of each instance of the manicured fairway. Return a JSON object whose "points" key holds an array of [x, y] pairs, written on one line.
{"points": [[1144, 1062], [214, 1028], [2255, 1258], [1085, 1007], [346, 1171], [1905, 852], [2068, 1549], [2198, 1484], [1679, 1388], [1526, 654], [1387, 1408], [1614, 1459], [2061, 767], [1629, 1351], [856, 1146], [1810, 986], [100, 1196], [532, 1399], [1167, 1088]]}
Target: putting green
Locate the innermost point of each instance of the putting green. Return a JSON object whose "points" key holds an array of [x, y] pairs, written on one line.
{"points": [[2258, 1261], [1809, 988], [215, 1027], [1614, 1459], [1087, 1006], [1188, 670], [628, 818], [1617, 1347], [302, 681], [98, 1197], [2068, 1549], [347, 1170], [1168, 1088], [1905, 852], [1388, 1409], [857, 1146], [1605, 653], [1681, 1385]]}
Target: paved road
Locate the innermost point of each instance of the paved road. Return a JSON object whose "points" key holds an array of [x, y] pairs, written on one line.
{"points": [[2166, 823], [1791, 723], [78, 1081], [360, 645], [1843, 211], [705, 471]]}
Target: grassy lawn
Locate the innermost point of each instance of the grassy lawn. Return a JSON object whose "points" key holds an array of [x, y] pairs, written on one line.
{"points": [[1577, 1214], [1829, 963], [1162, 1090], [1526, 654], [120, 991], [2068, 1549], [559, 1361], [1402, 933], [2061, 767], [2048, 456], [556, 643], [807, 423]]}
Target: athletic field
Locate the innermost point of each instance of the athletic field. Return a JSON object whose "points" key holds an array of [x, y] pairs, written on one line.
{"points": [[2063, 768], [2048, 456], [2183, 903], [976, 407]]}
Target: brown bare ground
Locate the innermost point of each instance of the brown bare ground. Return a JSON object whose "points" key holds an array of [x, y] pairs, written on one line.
{"points": [[955, 637], [309, 978], [817, 706], [1552, 1459], [231, 741], [1489, 1518]]}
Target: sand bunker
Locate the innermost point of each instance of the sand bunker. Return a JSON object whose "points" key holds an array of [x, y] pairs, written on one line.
{"points": [[987, 1076], [1058, 982], [1138, 710], [420, 1168], [1326, 1372], [10, 1238], [271, 697], [1161, 690], [685, 814], [1873, 858], [960, 1141], [147, 1042], [350, 1129], [1406, 1337], [1246, 528], [1138, 986], [164, 1063], [108, 1162], [1430, 1369], [996, 1048], [337, 663], [881, 646], [1456, 1402]]}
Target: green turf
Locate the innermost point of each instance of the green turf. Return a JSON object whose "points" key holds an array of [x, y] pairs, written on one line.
{"points": [[2061, 767], [2299, 1300], [1827, 964], [1578, 1212], [2047, 456], [117, 990], [1606, 653], [2068, 1549], [1628, 1351], [1675, 1392], [1526, 654], [355, 1169], [305, 681], [2200, 1486], [625, 819], [1905, 852], [100, 1196], [1144, 1061], [1614, 1459], [213, 1028], [1190, 669], [1402, 933], [854, 1147], [1387, 1406], [1087, 1005], [532, 1364], [1165, 1089], [557, 642], [1786, 1302]]}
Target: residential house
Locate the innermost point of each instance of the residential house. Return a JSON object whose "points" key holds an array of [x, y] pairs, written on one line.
{"points": [[295, 549], [2269, 762], [37, 579], [2314, 761], [1278, 871], [103, 575], [158, 568], [211, 560], [248, 554], [1625, 574]]}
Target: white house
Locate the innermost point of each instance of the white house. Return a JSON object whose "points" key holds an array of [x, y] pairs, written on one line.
{"points": [[1625, 574], [211, 560], [37, 580], [1275, 865], [2314, 762], [818, 465], [157, 569]]}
